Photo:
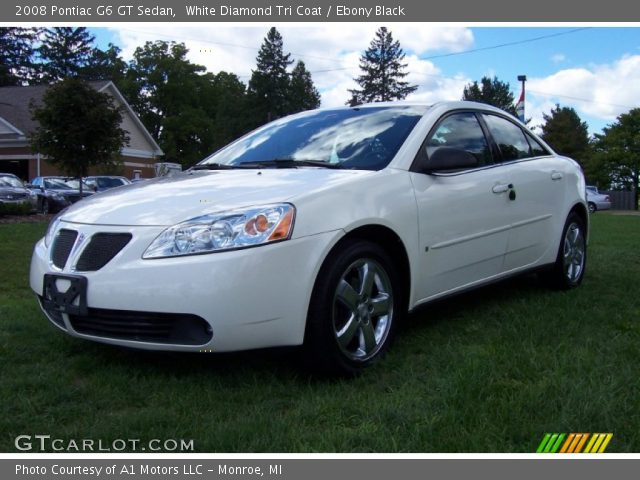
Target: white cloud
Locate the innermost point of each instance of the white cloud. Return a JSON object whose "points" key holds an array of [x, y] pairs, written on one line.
{"points": [[602, 91], [558, 58], [330, 51]]}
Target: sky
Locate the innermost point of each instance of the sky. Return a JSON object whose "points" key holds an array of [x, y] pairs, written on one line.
{"points": [[595, 70]]}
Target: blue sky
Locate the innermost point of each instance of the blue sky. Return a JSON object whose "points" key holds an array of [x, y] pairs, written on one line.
{"points": [[595, 70]]}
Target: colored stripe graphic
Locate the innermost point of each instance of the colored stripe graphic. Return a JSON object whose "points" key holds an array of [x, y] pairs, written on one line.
{"points": [[574, 443]]}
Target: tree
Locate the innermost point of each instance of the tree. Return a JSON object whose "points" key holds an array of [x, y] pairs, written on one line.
{"points": [[303, 95], [65, 51], [105, 65], [617, 152], [16, 55], [188, 112], [382, 72], [491, 91], [160, 83], [566, 133], [269, 85], [79, 127]]}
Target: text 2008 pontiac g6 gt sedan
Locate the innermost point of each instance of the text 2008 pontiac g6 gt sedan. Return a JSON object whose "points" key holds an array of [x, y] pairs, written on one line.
{"points": [[320, 229]]}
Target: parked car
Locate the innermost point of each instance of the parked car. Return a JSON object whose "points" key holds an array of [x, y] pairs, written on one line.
{"points": [[14, 193], [105, 182], [320, 229], [596, 200], [56, 193]]}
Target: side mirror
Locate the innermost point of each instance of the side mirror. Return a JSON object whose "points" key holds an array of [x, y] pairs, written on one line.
{"points": [[449, 158]]}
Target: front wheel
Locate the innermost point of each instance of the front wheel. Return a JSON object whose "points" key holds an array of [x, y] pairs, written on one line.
{"points": [[354, 310], [571, 261]]}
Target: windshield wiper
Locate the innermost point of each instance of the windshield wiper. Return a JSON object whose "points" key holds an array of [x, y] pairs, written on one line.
{"points": [[216, 166], [289, 163]]}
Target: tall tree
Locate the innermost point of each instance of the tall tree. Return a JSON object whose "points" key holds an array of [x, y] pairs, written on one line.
{"points": [[65, 51], [566, 133], [16, 55], [491, 91], [105, 65], [79, 127], [303, 95], [382, 72], [617, 152], [160, 83], [269, 85]]}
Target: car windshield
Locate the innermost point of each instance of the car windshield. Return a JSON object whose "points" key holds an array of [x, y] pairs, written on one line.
{"points": [[107, 182], [7, 181], [74, 184], [56, 184], [357, 138]]}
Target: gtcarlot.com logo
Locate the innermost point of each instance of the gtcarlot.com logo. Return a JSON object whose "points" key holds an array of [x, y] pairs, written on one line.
{"points": [[574, 443], [45, 443]]}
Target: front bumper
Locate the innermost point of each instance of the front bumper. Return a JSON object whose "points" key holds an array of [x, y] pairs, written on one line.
{"points": [[251, 298]]}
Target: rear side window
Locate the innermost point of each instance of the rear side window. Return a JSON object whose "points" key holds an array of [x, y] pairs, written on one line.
{"points": [[509, 137], [537, 150], [463, 131]]}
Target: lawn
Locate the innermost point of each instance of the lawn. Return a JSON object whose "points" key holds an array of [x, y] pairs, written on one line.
{"points": [[489, 371]]}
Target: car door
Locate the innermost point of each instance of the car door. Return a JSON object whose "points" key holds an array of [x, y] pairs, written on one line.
{"points": [[537, 188], [463, 222]]}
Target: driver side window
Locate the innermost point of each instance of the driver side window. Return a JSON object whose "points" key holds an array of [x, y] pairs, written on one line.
{"points": [[461, 131]]}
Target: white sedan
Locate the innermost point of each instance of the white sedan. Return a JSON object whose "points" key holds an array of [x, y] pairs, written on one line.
{"points": [[320, 229]]}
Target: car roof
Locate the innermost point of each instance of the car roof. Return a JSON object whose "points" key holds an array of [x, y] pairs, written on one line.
{"points": [[452, 105]]}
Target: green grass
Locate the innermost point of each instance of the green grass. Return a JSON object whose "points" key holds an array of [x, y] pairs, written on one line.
{"points": [[489, 371]]}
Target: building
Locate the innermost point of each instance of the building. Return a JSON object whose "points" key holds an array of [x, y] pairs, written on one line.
{"points": [[16, 123]]}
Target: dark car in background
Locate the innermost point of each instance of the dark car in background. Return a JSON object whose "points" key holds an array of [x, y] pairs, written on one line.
{"points": [[14, 195], [100, 183], [57, 193]]}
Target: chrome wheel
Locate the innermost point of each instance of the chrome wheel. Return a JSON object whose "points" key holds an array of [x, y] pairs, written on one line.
{"points": [[592, 207], [362, 309], [573, 253]]}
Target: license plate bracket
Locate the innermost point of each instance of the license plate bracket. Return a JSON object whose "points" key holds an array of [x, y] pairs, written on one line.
{"points": [[72, 301]]}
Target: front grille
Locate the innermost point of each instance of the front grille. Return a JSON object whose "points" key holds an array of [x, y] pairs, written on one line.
{"points": [[101, 249], [167, 328], [62, 246]]}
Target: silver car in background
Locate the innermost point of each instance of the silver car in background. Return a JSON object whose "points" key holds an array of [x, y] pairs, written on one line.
{"points": [[596, 200]]}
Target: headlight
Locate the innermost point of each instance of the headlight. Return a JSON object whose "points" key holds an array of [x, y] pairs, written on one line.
{"points": [[51, 230], [225, 231]]}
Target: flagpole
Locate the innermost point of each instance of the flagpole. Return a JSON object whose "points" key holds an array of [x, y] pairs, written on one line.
{"points": [[520, 104]]}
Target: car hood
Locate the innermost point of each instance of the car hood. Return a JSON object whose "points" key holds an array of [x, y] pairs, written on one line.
{"points": [[169, 200], [13, 191]]}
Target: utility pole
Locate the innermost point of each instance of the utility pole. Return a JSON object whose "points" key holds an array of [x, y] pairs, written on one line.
{"points": [[520, 104]]}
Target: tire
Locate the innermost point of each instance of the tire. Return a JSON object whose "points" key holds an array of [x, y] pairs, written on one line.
{"points": [[592, 207], [571, 261], [354, 310], [44, 207]]}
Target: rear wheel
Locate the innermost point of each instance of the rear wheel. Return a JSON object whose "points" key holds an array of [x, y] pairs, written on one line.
{"points": [[592, 207], [571, 261], [354, 310]]}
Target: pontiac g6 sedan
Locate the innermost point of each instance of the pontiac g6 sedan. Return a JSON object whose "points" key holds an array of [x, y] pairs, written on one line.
{"points": [[321, 229]]}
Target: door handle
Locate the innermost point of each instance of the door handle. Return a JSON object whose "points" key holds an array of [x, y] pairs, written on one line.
{"points": [[556, 175], [501, 188]]}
